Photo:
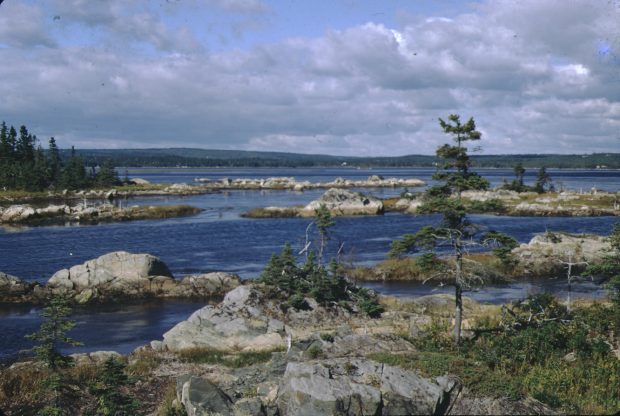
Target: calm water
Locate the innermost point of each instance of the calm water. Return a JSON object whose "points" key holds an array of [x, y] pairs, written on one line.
{"points": [[219, 240]]}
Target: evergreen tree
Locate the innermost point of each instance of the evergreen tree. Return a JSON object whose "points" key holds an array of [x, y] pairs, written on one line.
{"points": [[455, 230], [40, 172], [323, 221], [54, 163], [519, 174], [74, 174], [543, 181], [455, 162], [107, 175], [111, 401], [50, 337]]}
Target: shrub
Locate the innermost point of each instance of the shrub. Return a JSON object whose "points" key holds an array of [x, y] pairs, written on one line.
{"points": [[315, 351]]}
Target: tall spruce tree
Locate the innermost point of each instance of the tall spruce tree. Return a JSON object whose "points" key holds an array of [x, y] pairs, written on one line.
{"points": [[455, 230], [54, 163]]}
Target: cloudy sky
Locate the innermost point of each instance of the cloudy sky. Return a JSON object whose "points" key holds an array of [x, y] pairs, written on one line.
{"points": [[345, 77]]}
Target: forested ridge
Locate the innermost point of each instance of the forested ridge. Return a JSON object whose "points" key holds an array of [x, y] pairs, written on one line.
{"points": [[26, 166], [171, 157]]}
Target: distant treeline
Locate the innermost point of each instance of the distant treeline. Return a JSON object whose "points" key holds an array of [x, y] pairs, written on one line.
{"points": [[26, 166], [172, 157]]}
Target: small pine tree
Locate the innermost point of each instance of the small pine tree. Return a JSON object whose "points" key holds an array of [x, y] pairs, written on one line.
{"points": [[51, 336], [111, 400], [323, 221], [543, 181]]}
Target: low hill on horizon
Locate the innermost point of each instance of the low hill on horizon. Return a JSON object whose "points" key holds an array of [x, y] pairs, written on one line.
{"points": [[194, 157]]}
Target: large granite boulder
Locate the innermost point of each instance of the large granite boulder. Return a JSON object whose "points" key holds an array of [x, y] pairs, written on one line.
{"points": [[344, 202], [238, 323], [358, 386], [116, 273]]}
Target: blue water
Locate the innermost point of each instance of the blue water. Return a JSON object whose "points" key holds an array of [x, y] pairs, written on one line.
{"points": [[218, 239]]}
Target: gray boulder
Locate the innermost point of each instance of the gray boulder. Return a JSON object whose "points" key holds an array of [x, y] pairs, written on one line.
{"points": [[117, 272], [237, 324], [344, 202], [354, 387], [200, 397]]}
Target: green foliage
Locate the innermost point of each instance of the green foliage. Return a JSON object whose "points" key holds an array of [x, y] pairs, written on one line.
{"points": [[490, 205], [454, 169], [543, 181], [428, 262], [525, 355], [53, 334], [311, 279], [107, 176], [327, 337], [315, 351], [107, 388], [502, 246]]}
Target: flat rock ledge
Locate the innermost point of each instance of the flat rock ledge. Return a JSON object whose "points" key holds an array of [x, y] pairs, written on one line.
{"points": [[339, 202], [119, 275]]}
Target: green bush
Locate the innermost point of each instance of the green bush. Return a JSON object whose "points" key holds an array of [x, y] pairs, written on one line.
{"points": [[315, 351], [311, 279]]}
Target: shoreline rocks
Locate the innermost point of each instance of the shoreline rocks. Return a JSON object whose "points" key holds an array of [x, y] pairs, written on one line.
{"points": [[118, 275]]}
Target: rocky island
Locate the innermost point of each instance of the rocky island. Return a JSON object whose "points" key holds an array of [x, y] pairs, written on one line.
{"points": [[89, 213]]}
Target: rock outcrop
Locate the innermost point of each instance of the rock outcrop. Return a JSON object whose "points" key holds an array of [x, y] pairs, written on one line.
{"points": [[125, 275], [547, 253], [237, 324], [360, 387]]}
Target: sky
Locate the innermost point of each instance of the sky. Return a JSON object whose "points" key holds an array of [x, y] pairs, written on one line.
{"points": [[341, 77]]}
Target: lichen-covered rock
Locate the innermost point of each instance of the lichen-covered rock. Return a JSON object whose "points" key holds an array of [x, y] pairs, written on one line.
{"points": [[237, 324]]}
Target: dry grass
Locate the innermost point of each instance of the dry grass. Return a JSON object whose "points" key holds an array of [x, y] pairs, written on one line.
{"points": [[143, 362]]}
